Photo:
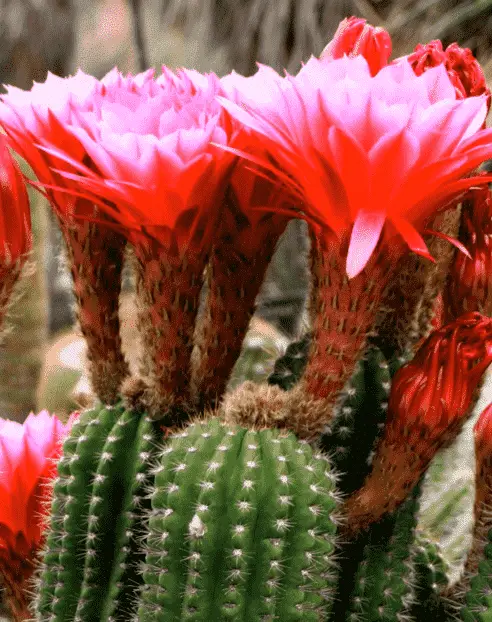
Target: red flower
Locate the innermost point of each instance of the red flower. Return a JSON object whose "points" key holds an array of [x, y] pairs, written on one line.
{"points": [[28, 455], [15, 217], [429, 401], [153, 164], [368, 157], [435, 389], [469, 285], [463, 68], [353, 37]]}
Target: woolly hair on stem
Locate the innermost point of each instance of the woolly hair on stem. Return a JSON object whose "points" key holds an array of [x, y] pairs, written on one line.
{"points": [[242, 251], [343, 313], [168, 286], [95, 254], [407, 308]]}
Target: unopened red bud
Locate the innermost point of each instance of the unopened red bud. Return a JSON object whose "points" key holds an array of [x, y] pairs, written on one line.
{"points": [[430, 400], [463, 69], [354, 37]]}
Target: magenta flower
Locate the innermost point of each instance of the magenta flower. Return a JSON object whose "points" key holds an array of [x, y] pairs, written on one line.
{"points": [[368, 157], [151, 147], [28, 456]]}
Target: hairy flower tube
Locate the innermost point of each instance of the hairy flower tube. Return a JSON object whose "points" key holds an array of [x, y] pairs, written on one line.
{"points": [[28, 455], [242, 249], [37, 123], [430, 400], [369, 161], [15, 224], [354, 37], [158, 172]]}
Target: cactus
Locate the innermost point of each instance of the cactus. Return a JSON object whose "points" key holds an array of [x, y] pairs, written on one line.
{"points": [[297, 499], [249, 528]]}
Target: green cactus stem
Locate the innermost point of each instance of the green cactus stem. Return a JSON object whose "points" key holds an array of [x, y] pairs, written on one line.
{"points": [[383, 582], [290, 367], [51, 568], [90, 569], [431, 578], [364, 398], [242, 527]]}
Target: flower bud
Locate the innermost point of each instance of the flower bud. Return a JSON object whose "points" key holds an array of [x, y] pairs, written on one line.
{"points": [[355, 37]]}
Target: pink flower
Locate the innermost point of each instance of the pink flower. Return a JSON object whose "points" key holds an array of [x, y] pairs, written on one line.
{"points": [[39, 117], [149, 144], [15, 217], [355, 37], [28, 455], [367, 156]]}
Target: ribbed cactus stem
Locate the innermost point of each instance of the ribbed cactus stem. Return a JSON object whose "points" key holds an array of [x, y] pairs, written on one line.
{"points": [[168, 293], [384, 580], [237, 267], [343, 314], [242, 527], [95, 255], [482, 506], [431, 579]]}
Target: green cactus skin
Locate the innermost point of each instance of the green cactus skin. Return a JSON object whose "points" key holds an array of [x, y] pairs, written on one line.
{"points": [[383, 583], [110, 524], [105, 464], [242, 527], [51, 556], [363, 399], [127, 578], [430, 579], [74, 509], [478, 598]]}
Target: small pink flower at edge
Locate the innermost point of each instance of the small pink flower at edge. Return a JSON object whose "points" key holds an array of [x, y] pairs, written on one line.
{"points": [[28, 455]]}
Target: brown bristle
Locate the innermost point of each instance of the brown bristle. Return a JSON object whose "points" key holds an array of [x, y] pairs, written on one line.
{"points": [[96, 261]]}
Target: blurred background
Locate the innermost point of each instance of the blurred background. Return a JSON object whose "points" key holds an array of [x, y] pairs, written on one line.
{"points": [[43, 355]]}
